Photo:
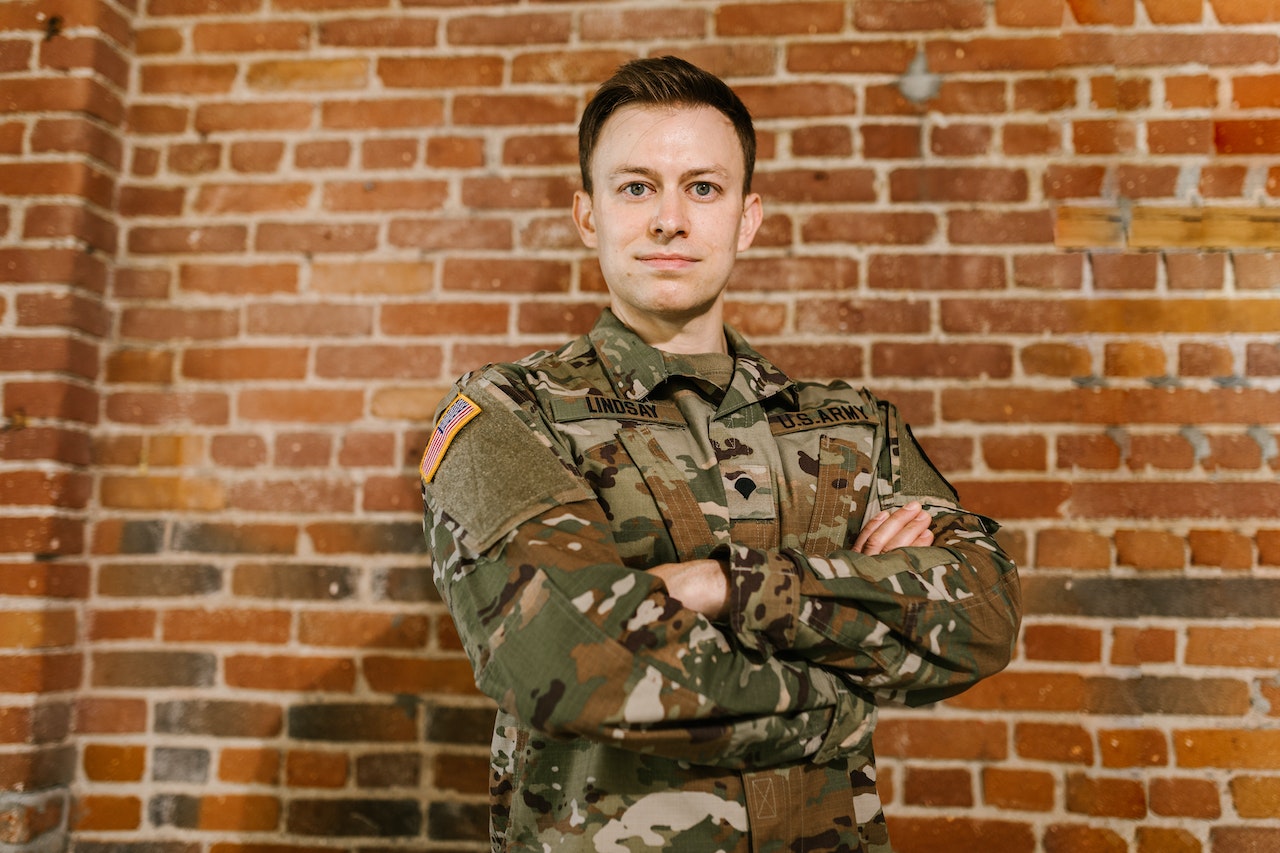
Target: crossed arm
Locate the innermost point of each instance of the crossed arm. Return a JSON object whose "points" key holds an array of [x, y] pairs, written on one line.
{"points": [[703, 585]]}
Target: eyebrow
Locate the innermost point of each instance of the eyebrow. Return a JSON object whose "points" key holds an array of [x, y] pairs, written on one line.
{"points": [[686, 175]]}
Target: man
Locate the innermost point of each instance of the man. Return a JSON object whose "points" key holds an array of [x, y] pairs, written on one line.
{"points": [[686, 579]]}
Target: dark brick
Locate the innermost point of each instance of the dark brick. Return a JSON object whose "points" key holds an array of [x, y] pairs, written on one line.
{"points": [[360, 818], [340, 537], [37, 770], [154, 669], [50, 722], [405, 584], [134, 847], [308, 582], [446, 724], [140, 537], [352, 722], [1172, 695], [388, 770], [180, 765], [458, 821], [234, 538], [218, 718], [1245, 839], [1175, 597], [135, 580], [174, 810]]}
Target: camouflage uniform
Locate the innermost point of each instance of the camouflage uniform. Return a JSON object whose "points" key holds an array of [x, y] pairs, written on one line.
{"points": [[627, 722]]}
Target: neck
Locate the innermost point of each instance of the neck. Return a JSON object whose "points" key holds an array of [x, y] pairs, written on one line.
{"points": [[691, 336]]}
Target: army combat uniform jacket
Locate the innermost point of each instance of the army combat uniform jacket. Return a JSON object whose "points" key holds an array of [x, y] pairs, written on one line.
{"points": [[627, 722]]}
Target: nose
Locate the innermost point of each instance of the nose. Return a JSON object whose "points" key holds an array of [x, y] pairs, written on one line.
{"points": [[669, 218]]}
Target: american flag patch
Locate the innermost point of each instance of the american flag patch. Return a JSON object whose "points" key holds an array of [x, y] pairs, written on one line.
{"points": [[460, 411]]}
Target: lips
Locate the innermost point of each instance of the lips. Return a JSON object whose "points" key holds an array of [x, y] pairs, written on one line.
{"points": [[667, 262]]}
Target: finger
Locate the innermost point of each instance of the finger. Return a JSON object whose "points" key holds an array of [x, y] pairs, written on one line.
{"points": [[886, 532], [868, 528]]}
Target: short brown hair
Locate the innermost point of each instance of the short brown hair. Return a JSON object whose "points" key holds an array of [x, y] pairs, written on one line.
{"points": [[663, 80]]}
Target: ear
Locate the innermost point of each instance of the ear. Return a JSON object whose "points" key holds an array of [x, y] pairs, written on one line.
{"points": [[752, 216], [584, 218]]}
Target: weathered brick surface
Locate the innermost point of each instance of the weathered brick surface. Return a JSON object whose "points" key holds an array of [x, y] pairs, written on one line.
{"points": [[243, 255]]}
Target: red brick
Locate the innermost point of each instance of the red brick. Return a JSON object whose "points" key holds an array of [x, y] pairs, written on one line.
{"points": [[512, 110], [384, 195], [1027, 691], [460, 152], [187, 78], [987, 228], [1136, 646], [1191, 91], [105, 762], [1027, 13], [307, 75], [1245, 11], [447, 233], [399, 31], [226, 626], [303, 449], [506, 276], [332, 237], [1222, 181], [1023, 790], [417, 675], [1152, 839], [1125, 271], [890, 228], [927, 272], [890, 141], [1256, 797], [664, 22], [1076, 838], [301, 405], [446, 318], [509, 29], [322, 154], [773, 19], [862, 316], [1223, 549], [1062, 643], [1228, 748], [1186, 798], [281, 672], [1133, 748], [1174, 11], [1056, 742], [942, 739], [249, 765], [1253, 647], [245, 37], [362, 630], [960, 835], [1106, 797], [938, 787], [382, 112], [1023, 139], [226, 117], [156, 324], [310, 320], [238, 279], [1246, 136], [1072, 181], [106, 813], [315, 769]]}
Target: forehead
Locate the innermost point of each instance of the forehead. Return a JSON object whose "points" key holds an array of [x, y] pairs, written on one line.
{"points": [[648, 135]]}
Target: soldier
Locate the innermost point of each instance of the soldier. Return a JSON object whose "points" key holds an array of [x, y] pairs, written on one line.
{"points": [[686, 579]]}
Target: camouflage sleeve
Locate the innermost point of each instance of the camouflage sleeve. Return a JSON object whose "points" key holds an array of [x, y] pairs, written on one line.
{"points": [[914, 624], [574, 643]]}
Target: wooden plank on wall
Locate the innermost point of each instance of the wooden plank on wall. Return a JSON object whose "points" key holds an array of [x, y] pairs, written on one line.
{"points": [[1151, 227]]}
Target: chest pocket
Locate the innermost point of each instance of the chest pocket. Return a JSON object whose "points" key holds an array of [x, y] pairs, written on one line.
{"points": [[831, 479], [681, 511]]}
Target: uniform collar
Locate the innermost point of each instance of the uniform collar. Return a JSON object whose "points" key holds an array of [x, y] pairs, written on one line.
{"points": [[637, 369]]}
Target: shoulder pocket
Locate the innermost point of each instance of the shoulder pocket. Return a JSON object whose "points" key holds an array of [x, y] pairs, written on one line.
{"points": [[498, 473]]}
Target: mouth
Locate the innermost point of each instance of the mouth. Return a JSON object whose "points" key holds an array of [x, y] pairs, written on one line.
{"points": [[666, 261]]}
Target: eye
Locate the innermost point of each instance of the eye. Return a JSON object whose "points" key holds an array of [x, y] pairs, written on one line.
{"points": [[702, 189], [635, 189]]}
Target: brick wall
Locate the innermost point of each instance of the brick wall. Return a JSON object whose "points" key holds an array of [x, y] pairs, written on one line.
{"points": [[246, 244]]}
